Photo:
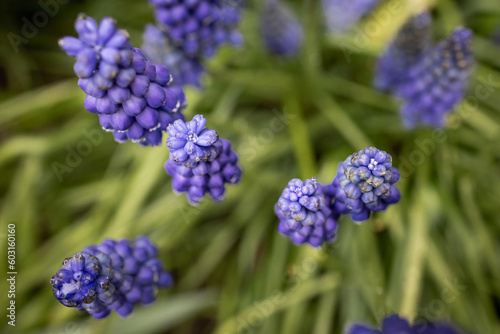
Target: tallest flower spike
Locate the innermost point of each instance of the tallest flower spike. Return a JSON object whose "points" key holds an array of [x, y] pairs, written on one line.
{"points": [[133, 97], [437, 83], [411, 43]]}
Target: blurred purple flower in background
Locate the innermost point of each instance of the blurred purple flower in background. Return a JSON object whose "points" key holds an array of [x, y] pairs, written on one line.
{"points": [[437, 83], [280, 30], [411, 43], [185, 70], [341, 15], [393, 324]]}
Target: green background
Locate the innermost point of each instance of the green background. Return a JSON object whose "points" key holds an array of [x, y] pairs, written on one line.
{"points": [[435, 255]]}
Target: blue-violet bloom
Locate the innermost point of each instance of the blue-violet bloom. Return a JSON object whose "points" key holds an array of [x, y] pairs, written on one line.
{"points": [[304, 213], [133, 97]]}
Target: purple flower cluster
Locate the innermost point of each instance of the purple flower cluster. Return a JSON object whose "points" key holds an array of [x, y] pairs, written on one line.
{"points": [[188, 31], [159, 49], [411, 43], [199, 27], [133, 97], [393, 324], [112, 276], [365, 183], [343, 14], [438, 82], [280, 30], [200, 163], [304, 213], [430, 80]]}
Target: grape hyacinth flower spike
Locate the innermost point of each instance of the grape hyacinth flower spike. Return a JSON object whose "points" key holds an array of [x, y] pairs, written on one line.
{"points": [[411, 43], [199, 27], [133, 97], [185, 70], [365, 183], [304, 213], [437, 83], [280, 29], [200, 162], [393, 324], [341, 15], [112, 276]]}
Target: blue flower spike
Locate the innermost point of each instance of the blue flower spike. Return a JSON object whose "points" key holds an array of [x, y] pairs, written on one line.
{"points": [[133, 98], [365, 183], [280, 29], [199, 27], [411, 44], [200, 163], [185, 69], [435, 85], [112, 276], [341, 15], [190, 142], [304, 213]]}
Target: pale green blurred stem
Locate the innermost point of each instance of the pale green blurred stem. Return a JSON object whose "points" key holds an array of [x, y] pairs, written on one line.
{"points": [[326, 311], [302, 292], [300, 137], [342, 122], [141, 184], [416, 247]]}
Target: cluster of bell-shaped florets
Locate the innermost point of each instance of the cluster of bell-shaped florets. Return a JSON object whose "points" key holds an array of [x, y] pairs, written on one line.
{"points": [[200, 163], [304, 213], [280, 29], [112, 276], [185, 70], [365, 183], [343, 14], [411, 43], [429, 79], [133, 97], [438, 82], [199, 27]]}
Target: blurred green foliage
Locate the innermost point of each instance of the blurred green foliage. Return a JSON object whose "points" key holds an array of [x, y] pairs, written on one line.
{"points": [[435, 255]]}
